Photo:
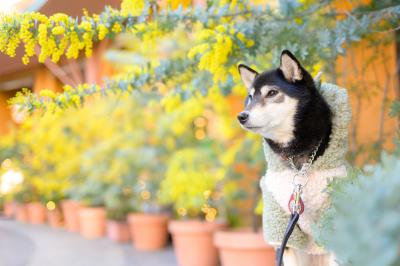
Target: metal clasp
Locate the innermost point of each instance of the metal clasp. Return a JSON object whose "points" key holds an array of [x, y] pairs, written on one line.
{"points": [[295, 203]]}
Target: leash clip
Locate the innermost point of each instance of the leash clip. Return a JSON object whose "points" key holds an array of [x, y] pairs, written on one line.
{"points": [[296, 204]]}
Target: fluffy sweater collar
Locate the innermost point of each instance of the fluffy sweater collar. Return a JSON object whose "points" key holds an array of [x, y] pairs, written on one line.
{"points": [[334, 154]]}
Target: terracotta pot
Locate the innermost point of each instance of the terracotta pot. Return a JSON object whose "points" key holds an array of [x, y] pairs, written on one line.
{"points": [[92, 222], [70, 210], [149, 231], [36, 213], [54, 217], [118, 231], [237, 248], [21, 212], [193, 242], [9, 209]]}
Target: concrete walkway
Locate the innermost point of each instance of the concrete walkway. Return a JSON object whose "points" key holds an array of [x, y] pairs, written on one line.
{"points": [[40, 245]]}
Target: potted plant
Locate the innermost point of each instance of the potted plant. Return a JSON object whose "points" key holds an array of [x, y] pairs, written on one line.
{"points": [[49, 193], [145, 159], [118, 204], [22, 198], [191, 187], [34, 207], [244, 245], [9, 208], [122, 164], [21, 212], [53, 207], [148, 224], [36, 212], [92, 220], [54, 215], [29, 208], [70, 211], [108, 170], [104, 195], [92, 213], [90, 195], [148, 230]]}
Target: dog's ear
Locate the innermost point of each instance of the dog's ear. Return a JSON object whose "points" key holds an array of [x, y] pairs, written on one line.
{"points": [[248, 75], [317, 79], [290, 67]]}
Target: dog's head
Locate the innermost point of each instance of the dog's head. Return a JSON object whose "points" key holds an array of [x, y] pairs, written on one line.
{"points": [[274, 97]]}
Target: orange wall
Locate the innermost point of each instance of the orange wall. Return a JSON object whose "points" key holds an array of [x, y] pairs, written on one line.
{"points": [[5, 114], [45, 80], [369, 73]]}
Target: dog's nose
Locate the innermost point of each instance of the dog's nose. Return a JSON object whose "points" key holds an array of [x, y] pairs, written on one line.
{"points": [[243, 117]]}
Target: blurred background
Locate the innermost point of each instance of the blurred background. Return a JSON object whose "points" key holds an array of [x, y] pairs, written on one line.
{"points": [[118, 128]]}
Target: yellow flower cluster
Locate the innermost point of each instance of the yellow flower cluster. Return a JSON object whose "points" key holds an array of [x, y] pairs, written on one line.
{"points": [[214, 48], [56, 35], [132, 7], [116, 28], [9, 36], [190, 173], [47, 93], [174, 4], [28, 40], [103, 31], [87, 37], [59, 34]]}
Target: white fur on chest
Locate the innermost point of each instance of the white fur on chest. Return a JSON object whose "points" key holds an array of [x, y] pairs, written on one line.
{"points": [[314, 193]]}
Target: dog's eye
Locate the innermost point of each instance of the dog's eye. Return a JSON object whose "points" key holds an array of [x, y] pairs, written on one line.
{"points": [[248, 100], [272, 93]]}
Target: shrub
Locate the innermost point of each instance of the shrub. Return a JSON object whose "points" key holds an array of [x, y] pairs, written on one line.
{"points": [[363, 226]]}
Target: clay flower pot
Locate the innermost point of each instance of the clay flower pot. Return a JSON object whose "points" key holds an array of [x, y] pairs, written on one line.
{"points": [[149, 231], [36, 213], [9, 209], [54, 217], [118, 231], [237, 248], [92, 221], [70, 210], [193, 242], [21, 212]]}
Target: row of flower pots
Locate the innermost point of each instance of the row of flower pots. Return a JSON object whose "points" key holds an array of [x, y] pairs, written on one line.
{"points": [[199, 243], [34, 213], [196, 243]]}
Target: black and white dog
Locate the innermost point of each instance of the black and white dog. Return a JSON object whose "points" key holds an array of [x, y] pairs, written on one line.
{"points": [[285, 107]]}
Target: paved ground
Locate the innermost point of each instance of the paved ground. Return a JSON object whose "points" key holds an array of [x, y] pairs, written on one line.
{"points": [[29, 245]]}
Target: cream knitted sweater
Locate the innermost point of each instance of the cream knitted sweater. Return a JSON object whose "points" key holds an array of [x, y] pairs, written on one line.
{"points": [[277, 186]]}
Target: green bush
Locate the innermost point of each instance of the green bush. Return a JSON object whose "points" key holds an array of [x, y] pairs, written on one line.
{"points": [[363, 226]]}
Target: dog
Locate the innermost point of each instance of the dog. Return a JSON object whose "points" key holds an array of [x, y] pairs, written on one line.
{"points": [[286, 108]]}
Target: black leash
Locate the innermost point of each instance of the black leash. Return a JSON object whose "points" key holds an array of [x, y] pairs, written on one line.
{"points": [[294, 217], [296, 208]]}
